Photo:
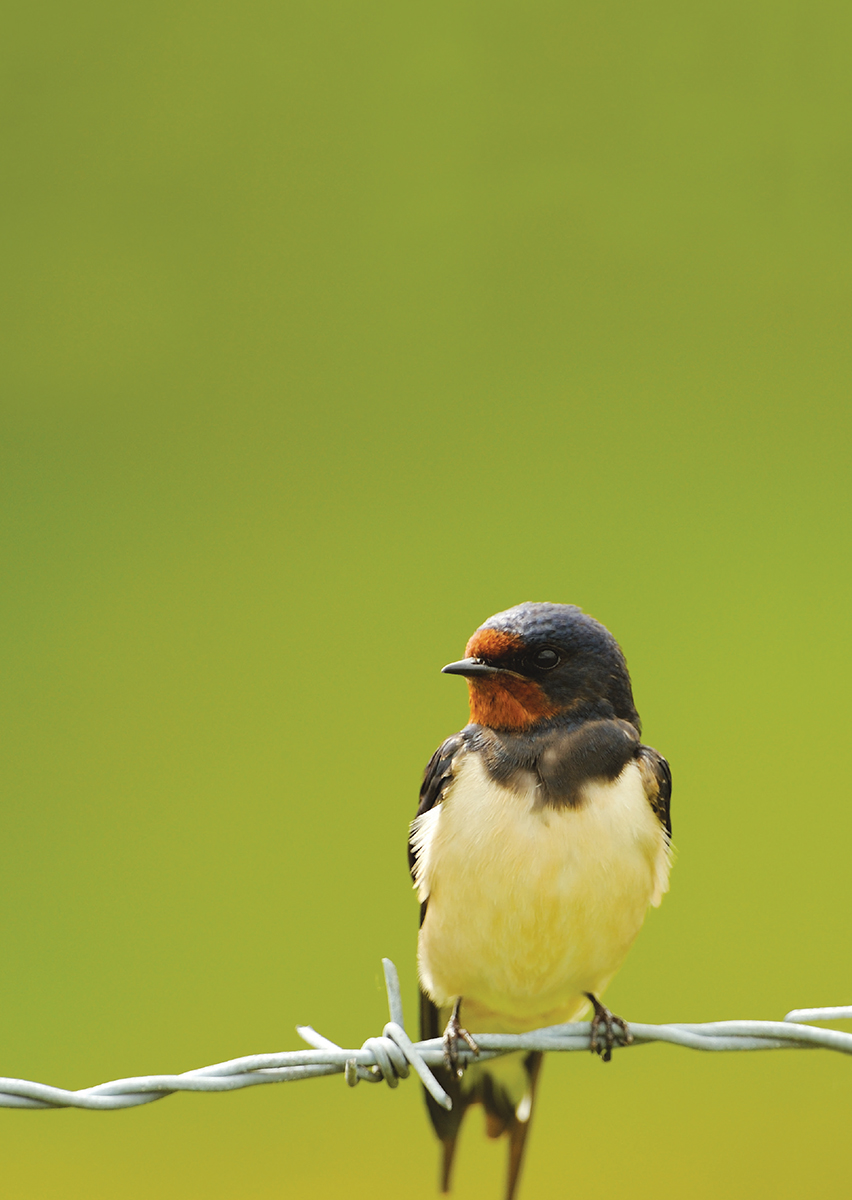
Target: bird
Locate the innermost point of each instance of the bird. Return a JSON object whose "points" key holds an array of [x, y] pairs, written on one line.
{"points": [[542, 837]]}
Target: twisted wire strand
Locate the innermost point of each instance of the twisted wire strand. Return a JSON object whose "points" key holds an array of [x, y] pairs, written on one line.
{"points": [[393, 1055]]}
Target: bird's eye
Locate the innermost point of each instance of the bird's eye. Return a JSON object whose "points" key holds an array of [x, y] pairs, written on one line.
{"points": [[545, 659]]}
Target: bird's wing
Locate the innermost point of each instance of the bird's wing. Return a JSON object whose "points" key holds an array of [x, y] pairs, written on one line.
{"points": [[657, 778], [436, 780], [439, 773]]}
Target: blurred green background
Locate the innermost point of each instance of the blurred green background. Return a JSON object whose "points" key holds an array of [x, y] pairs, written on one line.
{"points": [[330, 329]]}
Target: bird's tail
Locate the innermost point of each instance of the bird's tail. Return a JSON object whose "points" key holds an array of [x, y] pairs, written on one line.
{"points": [[508, 1109], [504, 1086]]}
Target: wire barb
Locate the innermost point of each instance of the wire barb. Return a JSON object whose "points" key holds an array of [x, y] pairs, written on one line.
{"points": [[393, 1055]]}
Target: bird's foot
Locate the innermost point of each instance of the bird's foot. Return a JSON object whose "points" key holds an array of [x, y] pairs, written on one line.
{"points": [[603, 1017], [455, 1031]]}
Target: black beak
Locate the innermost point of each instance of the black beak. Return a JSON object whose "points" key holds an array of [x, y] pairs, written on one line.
{"points": [[469, 666]]}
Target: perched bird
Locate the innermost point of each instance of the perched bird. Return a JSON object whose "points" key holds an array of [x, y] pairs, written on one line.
{"points": [[541, 838]]}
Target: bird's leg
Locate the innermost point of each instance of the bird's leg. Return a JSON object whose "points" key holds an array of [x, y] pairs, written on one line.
{"points": [[604, 1017], [452, 1033]]}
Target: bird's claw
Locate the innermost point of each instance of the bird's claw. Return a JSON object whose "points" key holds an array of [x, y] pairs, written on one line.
{"points": [[603, 1017], [455, 1031]]}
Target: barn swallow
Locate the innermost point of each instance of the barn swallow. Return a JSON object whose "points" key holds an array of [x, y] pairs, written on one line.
{"points": [[542, 836]]}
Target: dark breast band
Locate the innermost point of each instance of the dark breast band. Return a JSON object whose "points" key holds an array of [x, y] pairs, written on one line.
{"points": [[562, 758]]}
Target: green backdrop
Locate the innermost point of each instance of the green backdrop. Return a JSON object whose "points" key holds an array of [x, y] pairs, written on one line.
{"points": [[330, 329]]}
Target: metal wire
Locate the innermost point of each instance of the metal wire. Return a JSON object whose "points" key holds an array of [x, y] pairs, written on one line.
{"points": [[390, 1056]]}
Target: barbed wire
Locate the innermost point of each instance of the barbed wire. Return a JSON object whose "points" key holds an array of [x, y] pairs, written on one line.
{"points": [[391, 1056]]}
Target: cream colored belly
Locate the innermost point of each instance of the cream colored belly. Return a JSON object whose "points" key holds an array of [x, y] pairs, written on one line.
{"points": [[530, 907]]}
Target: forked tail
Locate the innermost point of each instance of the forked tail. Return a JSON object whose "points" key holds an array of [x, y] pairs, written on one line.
{"points": [[505, 1111]]}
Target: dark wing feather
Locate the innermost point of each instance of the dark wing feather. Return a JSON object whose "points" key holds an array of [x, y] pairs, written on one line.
{"points": [[436, 779], [657, 777]]}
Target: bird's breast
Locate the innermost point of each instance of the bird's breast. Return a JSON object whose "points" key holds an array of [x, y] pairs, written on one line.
{"points": [[531, 906]]}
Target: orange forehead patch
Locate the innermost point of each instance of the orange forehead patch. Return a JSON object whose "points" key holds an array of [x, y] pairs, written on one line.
{"points": [[492, 644]]}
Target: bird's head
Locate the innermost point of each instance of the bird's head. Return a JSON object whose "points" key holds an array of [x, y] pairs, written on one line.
{"points": [[538, 662]]}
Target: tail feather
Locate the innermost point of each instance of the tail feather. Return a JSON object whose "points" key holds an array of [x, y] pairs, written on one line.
{"points": [[449, 1147], [446, 1124], [519, 1129], [511, 1114], [504, 1113], [517, 1141]]}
